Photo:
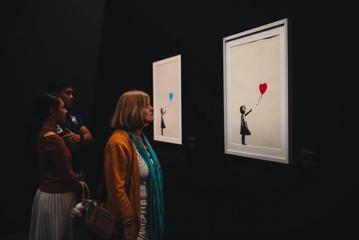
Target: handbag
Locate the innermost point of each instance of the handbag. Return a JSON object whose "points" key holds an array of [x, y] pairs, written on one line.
{"points": [[102, 224], [96, 219], [83, 210]]}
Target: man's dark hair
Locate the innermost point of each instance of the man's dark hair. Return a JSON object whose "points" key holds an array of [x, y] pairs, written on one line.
{"points": [[56, 87]]}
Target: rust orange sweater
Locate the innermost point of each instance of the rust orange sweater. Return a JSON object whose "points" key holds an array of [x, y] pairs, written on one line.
{"points": [[56, 174], [119, 154]]}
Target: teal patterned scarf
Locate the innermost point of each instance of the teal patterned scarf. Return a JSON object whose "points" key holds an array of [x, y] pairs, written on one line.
{"points": [[155, 207]]}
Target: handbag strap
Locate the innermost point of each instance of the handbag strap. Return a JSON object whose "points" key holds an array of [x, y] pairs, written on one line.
{"points": [[85, 190]]}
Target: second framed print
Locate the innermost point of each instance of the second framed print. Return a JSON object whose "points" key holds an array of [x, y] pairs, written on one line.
{"points": [[167, 100], [256, 93]]}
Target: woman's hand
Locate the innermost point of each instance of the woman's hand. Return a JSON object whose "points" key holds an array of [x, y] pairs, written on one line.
{"points": [[72, 140], [130, 230]]}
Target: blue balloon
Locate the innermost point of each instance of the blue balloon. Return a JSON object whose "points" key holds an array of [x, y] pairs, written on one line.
{"points": [[170, 95]]}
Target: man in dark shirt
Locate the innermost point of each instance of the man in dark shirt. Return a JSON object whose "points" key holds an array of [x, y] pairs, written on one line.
{"points": [[74, 132]]}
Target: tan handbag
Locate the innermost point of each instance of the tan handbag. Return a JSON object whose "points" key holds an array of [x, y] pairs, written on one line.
{"points": [[82, 210], [102, 223], [94, 216]]}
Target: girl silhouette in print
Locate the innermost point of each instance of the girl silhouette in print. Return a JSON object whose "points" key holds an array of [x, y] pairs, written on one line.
{"points": [[163, 125], [244, 126]]}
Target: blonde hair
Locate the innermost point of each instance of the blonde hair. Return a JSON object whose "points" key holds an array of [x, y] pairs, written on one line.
{"points": [[128, 114]]}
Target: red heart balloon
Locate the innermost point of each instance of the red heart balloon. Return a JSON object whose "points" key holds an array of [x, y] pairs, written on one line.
{"points": [[262, 87]]}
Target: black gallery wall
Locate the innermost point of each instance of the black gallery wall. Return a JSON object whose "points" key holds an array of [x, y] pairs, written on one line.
{"points": [[210, 195], [108, 47]]}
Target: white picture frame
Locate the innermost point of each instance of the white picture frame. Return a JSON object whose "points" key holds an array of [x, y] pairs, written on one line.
{"points": [[256, 77], [167, 100]]}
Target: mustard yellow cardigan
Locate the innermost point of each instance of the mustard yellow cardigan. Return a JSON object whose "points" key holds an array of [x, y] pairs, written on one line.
{"points": [[119, 153]]}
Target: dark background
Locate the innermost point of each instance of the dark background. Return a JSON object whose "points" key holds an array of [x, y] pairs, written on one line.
{"points": [[107, 47]]}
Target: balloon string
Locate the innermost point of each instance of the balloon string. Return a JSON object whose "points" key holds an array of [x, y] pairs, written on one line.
{"points": [[168, 105], [259, 99]]}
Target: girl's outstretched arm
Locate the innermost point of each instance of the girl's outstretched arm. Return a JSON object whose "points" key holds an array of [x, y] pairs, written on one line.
{"points": [[249, 111]]}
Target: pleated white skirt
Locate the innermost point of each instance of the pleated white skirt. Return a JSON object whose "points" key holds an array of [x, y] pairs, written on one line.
{"points": [[51, 216]]}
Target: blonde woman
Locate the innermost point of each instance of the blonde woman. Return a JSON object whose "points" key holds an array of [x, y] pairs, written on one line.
{"points": [[129, 160]]}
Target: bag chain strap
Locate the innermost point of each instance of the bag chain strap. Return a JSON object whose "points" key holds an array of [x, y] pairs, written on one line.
{"points": [[85, 189]]}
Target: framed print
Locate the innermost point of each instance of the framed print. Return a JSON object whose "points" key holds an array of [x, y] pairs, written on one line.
{"points": [[167, 100], [256, 93]]}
